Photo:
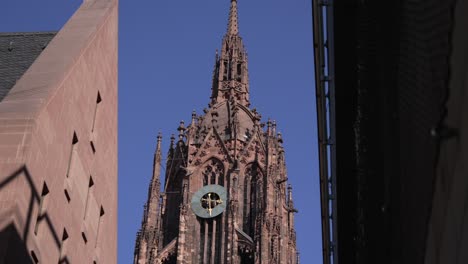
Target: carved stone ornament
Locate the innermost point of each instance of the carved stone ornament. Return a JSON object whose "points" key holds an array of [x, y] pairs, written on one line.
{"points": [[238, 86], [226, 85]]}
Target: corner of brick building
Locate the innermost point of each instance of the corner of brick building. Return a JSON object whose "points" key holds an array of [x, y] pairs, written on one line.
{"points": [[58, 147]]}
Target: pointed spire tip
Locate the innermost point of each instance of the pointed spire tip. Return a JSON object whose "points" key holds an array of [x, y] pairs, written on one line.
{"points": [[233, 27]]}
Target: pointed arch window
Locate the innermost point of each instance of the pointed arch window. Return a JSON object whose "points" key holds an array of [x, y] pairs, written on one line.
{"points": [[252, 197], [213, 172], [211, 230], [225, 74]]}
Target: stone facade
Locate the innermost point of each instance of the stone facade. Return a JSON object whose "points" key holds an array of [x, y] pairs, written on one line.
{"points": [[229, 148], [58, 146]]}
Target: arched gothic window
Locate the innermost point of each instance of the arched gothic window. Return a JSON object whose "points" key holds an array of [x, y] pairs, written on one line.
{"points": [[252, 197], [211, 230], [213, 173]]}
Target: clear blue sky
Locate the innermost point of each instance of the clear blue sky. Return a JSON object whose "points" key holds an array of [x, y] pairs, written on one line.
{"points": [[166, 55]]}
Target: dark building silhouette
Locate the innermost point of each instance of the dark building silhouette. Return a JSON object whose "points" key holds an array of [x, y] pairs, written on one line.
{"points": [[58, 140], [392, 93], [225, 197]]}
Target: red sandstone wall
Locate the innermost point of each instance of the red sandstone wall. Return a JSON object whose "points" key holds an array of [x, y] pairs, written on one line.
{"points": [[53, 100]]}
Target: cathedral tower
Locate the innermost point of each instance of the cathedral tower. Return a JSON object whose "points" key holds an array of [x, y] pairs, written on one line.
{"points": [[225, 197]]}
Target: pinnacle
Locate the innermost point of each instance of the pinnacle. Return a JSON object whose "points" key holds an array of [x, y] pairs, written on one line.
{"points": [[233, 27], [158, 144]]}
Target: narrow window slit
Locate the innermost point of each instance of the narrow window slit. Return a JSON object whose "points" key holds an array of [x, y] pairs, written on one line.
{"points": [[90, 185], [67, 195], [92, 146], [72, 151], [98, 100], [225, 75], [63, 245], [101, 214], [34, 257], [42, 207], [85, 239]]}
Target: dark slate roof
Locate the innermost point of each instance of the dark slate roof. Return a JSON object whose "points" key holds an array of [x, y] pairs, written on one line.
{"points": [[17, 52]]}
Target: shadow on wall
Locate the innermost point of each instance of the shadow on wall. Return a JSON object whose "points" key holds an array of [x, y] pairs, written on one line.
{"points": [[13, 248]]}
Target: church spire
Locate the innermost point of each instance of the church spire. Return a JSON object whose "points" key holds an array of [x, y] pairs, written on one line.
{"points": [[147, 241], [224, 176], [157, 157], [153, 196], [233, 26], [231, 78]]}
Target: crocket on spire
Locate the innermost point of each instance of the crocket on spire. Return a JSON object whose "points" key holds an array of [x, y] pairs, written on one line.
{"points": [[233, 27]]}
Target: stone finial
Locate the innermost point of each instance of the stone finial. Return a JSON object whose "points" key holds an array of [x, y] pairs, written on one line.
{"points": [[290, 199], [172, 141], [280, 137], [194, 117], [181, 129], [159, 139], [268, 132]]}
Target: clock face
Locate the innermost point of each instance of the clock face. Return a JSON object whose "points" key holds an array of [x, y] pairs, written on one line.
{"points": [[210, 201]]}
